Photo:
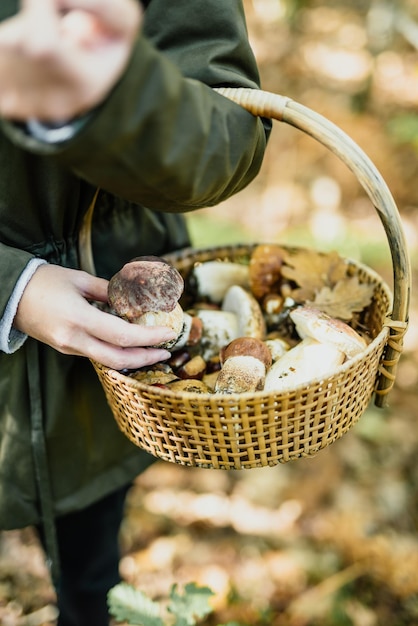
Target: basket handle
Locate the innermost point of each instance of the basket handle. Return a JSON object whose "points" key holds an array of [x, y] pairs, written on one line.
{"points": [[281, 108]]}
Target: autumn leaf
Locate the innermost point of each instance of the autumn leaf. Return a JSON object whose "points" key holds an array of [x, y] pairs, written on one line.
{"points": [[348, 296], [312, 271]]}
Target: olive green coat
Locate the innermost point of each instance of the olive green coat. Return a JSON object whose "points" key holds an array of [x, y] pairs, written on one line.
{"points": [[164, 140]]}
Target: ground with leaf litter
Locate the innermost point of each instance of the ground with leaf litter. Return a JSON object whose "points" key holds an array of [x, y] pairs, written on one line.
{"points": [[326, 541]]}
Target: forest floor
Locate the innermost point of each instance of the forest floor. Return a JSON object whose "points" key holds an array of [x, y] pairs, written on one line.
{"points": [[331, 540]]}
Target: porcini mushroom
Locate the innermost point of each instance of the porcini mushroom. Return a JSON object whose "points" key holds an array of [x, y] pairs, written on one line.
{"points": [[311, 322], [265, 270], [146, 291], [250, 317], [219, 328], [191, 333], [278, 347], [244, 364], [303, 363]]}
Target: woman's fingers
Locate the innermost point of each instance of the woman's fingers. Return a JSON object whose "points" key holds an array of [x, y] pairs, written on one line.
{"points": [[110, 340], [131, 358], [112, 329]]}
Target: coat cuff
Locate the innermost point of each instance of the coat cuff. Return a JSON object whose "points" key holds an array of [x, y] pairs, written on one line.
{"points": [[10, 338]]}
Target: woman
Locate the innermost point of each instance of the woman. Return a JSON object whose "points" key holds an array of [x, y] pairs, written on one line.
{"points": [[114, 96]]}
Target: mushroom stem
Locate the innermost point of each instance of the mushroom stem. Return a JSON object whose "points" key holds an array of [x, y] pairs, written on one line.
{"points": [[244, 364], [241, 374]]}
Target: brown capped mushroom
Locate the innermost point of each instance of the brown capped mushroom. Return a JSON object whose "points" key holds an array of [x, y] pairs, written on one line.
{"points": [[311, 322], [266, 270], [143, 286], [146, 291], [244, 364]]}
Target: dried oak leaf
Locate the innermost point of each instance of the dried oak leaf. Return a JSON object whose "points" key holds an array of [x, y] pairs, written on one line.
{"points": [[347, 297], [312, 271]]}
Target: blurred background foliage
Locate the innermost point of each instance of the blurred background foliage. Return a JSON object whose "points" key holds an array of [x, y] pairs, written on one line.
{"points": [[331, 540]]}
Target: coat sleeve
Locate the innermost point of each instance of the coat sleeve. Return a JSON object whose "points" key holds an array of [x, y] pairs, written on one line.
{"points": [[10, 338], [13, 265], [163, 138]]}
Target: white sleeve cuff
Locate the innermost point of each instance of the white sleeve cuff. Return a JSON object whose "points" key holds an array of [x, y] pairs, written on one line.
{"points": [[51, 133], [10, 338]]}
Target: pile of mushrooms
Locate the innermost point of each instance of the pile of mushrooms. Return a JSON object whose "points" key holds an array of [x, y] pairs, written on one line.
{"points": [[239, 335]]}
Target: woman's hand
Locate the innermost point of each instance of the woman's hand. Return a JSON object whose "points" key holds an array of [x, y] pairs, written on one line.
{"points": [[55, 309], [60, 58]]}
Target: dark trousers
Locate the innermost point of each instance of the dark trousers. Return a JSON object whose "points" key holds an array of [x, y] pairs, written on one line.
{"points": [[89, 560]]}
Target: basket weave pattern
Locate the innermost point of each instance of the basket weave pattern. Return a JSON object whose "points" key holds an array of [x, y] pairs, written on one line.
{"points": [[249, 430]]}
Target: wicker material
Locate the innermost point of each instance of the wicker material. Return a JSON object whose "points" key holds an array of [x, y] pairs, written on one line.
{"points": [[260, 429]]}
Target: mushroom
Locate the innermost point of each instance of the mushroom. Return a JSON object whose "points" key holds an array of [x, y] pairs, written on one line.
{"points": [[213, 278], [146, 291], [172, 319], [306, 361], [219, 328], [210, 380], [244, 364], [191, 332], [277, 347], [311, 322], [250, 316], [189, 386], [194, 368], [266, 270], [154, 376]]}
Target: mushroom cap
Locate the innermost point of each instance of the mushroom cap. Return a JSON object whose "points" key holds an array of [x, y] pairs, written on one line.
{"points": [[144, 284], [311, 322], [247, 346], [266, 270]]}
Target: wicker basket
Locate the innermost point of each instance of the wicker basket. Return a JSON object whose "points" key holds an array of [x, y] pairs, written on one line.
{"points": [[254, 430]]}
